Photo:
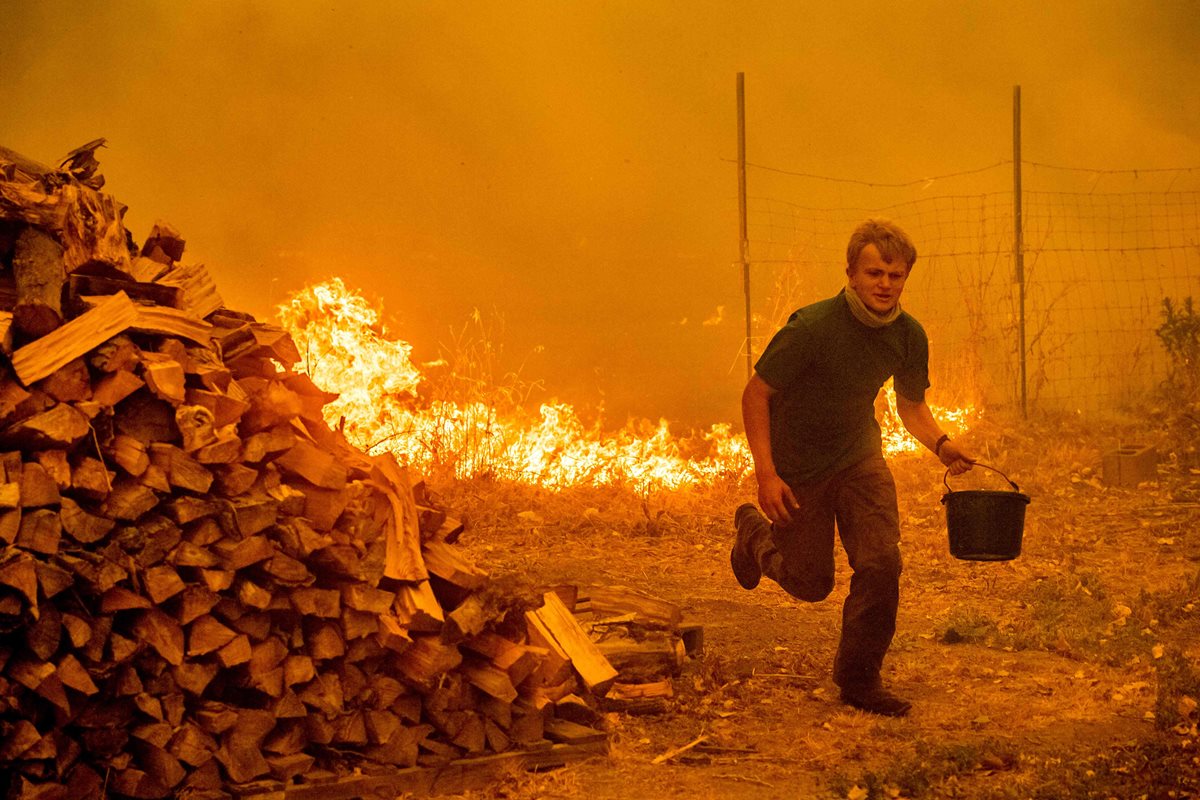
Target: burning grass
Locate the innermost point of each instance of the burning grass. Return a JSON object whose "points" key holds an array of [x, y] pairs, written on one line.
{"points": [[465, 418]]}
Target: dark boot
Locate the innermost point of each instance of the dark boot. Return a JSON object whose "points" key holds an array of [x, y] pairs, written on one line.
{"points": [[750, 523], [876, 700]]}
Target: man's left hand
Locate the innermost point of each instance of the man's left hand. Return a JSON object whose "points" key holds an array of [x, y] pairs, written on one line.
{"points": [[955, 457]]}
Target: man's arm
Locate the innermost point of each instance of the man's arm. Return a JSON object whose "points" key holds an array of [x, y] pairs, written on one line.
{"points": [[774, 495], [919, 421]]}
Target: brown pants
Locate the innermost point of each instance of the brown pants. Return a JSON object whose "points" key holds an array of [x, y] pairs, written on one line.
{"points": [[799, 556]]}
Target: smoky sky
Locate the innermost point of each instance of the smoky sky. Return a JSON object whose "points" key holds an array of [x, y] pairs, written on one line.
{"points": [[564, 166]]}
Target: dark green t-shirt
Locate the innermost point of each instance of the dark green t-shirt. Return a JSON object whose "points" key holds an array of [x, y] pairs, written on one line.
{"points": [[827, 368]]}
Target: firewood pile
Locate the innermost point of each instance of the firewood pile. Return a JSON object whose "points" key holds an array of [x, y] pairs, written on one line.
{"points": [[203, 586]]}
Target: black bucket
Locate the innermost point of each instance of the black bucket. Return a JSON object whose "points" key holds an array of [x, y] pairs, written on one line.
{"points": [[985, 525]]}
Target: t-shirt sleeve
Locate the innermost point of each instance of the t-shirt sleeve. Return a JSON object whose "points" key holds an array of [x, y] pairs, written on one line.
{"points": [[912, 379], [787, 356]]}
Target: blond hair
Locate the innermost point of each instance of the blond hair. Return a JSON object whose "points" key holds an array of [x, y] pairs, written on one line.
{"points": [[888, 237]]}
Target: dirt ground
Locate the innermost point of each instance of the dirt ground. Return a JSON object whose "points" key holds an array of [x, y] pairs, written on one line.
{"points": [[1071, 671]]}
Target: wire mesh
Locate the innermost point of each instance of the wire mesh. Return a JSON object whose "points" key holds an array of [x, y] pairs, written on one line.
{"points": [[1097, 264]]}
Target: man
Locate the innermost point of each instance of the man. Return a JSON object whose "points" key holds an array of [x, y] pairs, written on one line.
{"points": [[818, 457]]}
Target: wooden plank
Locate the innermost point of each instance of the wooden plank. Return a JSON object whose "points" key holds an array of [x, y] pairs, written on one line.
{"points": [[456, 777], [647, 610], [56, 349]]}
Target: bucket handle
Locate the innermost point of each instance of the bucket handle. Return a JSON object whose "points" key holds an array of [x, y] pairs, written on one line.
{"points": [[985, 466]]}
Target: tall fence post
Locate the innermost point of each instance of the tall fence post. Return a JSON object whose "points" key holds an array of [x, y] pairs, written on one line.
{"points": [[745, 236], [1019, 244]]}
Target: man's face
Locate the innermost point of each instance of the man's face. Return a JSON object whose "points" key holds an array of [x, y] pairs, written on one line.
{"points": [[877, 282]]}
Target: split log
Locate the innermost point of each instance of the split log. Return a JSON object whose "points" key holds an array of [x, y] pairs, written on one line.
{"points": [[198, 291], [40, 273], [588, 660], [39, 358]]}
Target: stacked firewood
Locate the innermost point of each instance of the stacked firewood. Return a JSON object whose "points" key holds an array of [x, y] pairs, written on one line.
{"points": [[201, 584]]}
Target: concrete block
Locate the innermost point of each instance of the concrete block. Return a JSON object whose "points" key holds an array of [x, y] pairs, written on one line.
{"points": [[1130, 465]]}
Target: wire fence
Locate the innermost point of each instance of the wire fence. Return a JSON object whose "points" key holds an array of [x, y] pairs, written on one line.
{"points": [[1102, 249]]}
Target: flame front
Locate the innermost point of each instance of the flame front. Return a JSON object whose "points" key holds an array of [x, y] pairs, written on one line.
{"points": [[346, 350]]}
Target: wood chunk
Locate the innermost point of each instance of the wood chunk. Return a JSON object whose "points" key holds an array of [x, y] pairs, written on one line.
{"points": [[312, 601], [70, 384], [83, 526], [225, 410], [392, 635], [423, 664], [235, 479], [191, 745], [88, 289], [91, 479], [364, 597], [237, 651], [10, 495], [60, 427], [40, 531], [195, 425], [128, 500], [183, 472], [172, 322], [147, 418], [287, 767], [164, 634], [193, 676], [448, 563], [43, 636], [10, 524], [164, 376], [115, 387], [556, 665], [129, 454], [404, 560], [325, 641], [162, 582], [272, 441], [52, 579], [241, 747], [588, 660], [165, 240], [118, 353], [195, 601], [56, 465], [418, 607], [322, 507], [567, 732], [254, 514], [74, 676], [467, 619], [492, 680], [40, 273], [43, 356], [119, 598], [199, 296], [207, 635], [314, 465], [6, 332], [37, 487]]}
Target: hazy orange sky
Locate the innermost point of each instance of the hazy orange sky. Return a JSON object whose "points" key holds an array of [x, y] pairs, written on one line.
{"points": [[565, 164]]}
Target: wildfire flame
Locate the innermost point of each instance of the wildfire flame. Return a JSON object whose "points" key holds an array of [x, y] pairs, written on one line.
{"points": [[346, 350]]}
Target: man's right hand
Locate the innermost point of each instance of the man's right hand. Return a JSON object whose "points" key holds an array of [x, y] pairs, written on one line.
{"points": [[775, 498]]}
